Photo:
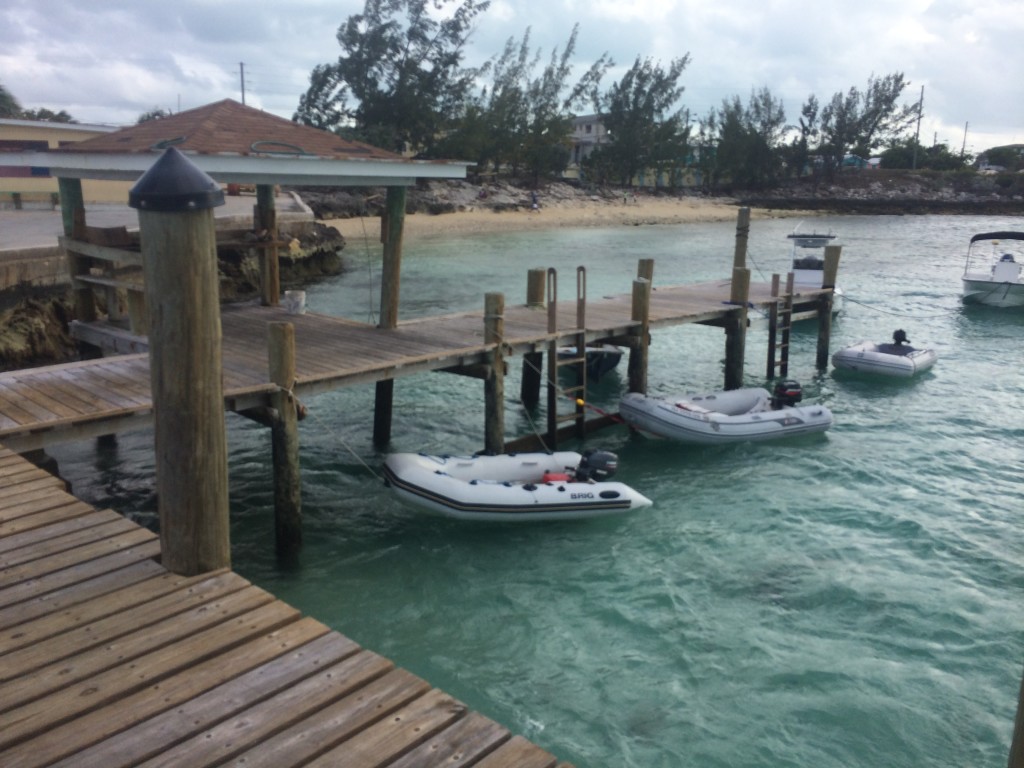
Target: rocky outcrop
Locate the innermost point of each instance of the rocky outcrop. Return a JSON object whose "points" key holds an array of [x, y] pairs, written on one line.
{"points": [[34, 319], [449, 196], [869, 191]]}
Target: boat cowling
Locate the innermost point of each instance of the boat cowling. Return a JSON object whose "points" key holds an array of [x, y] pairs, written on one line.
{"points": [[787, 393], [597, 465]]}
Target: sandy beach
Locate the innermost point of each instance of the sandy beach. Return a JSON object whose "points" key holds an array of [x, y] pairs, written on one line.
{"points": [[561, 213]]}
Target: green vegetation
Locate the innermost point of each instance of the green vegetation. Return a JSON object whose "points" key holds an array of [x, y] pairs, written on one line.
{"points": [[399, 83], [11, 109]]}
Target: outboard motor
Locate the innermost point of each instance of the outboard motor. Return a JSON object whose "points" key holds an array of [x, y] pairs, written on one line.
{"points": [[787, 392], [899, 336], [597, 466]]}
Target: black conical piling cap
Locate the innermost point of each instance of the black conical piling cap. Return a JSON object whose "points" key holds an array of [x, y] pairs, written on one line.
{"points": [[175, 184]]}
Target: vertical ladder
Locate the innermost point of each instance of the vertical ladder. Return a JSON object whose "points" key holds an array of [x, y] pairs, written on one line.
{"points": [[780, 323], [577, 363]]}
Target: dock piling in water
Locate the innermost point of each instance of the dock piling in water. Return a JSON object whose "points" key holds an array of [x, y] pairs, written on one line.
{"points": [[175, 200]]}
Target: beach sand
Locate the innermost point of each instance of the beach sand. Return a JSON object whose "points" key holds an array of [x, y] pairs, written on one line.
{"points": [[561, 213]]}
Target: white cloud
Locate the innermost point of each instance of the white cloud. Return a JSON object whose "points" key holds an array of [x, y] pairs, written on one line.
{"points": [[111, 60]]}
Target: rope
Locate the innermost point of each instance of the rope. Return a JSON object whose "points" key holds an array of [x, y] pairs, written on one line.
{"points": [[899, 314], [371, 314]]}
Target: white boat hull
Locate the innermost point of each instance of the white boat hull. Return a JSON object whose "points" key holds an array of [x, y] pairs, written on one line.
{"points": [[992, 293], [884, 359], [994, 270], [505, 488], [717, 418]]}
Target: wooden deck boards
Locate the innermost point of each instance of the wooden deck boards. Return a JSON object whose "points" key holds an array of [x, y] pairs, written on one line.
{"points": [[75, 400], [107, 659]]}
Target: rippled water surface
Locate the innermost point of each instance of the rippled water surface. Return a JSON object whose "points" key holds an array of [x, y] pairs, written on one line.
{"points": [[848, 599]]}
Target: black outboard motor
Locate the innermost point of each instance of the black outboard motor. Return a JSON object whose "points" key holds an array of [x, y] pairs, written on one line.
{"points": [[597, 466], [899, 336], [787, 392]]}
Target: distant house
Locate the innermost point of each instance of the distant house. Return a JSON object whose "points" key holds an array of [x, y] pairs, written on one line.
{"points": [[31, 184], [588, 133]]}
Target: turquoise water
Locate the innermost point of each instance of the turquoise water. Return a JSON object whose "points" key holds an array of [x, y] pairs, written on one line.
{"points": [[848, 599]]}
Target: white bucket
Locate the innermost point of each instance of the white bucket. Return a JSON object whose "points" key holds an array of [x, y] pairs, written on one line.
{"points": [[295, 302]]}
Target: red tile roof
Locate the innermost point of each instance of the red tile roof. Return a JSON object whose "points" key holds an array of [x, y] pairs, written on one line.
{"points": [[229, 128]]}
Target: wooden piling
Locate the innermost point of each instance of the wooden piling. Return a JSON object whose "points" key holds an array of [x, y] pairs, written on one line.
{"points": [[739, 258], [392, 227], [640, 345], [645, 270], [72, 210], [529, 386], [265, 221], [179, 254], [831, 269], [494, 384], [284, 438], [736, 329]]}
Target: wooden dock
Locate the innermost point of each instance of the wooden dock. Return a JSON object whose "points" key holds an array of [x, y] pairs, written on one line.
{"points": [[42, 406], [107, 659]]}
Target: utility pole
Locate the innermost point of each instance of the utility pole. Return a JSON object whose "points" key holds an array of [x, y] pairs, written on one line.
{"points": [[963, 147], [241, 75], [917, 135]]}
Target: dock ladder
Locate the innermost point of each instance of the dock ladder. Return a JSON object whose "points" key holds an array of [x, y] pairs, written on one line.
{"points": [[780, 323], [576, 363]]}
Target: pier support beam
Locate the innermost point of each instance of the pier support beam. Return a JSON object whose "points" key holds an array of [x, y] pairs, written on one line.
{"points": [[736, 329], [391, 229], [265, 218], [175, 200], [494, 384], [529, 387], [640, 345], [284, 438], [828, 280]]}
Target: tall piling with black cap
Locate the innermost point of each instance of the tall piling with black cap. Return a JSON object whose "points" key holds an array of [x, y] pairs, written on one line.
{"points": [[175, 200]]}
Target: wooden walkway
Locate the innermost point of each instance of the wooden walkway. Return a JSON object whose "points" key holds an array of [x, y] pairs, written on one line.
{"points": [[107, 659], [40, 406]]}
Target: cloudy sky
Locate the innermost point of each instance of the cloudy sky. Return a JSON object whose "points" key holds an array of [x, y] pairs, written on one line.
{"points": [[108, 61]]}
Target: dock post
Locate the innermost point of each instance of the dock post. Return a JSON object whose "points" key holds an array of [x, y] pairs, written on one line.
{"points": [[72, 211], [831, 269], [645, 269], [494, 384], [1016, 759], [284, 438], [640, 346], [739, 257], [529, 386], [175, 200], [773, 328], [392, 227], [265, 218], [736, 329]]}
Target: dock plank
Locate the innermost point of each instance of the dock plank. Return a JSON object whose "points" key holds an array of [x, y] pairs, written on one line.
{"points": [[107, 717], [162, 739]]}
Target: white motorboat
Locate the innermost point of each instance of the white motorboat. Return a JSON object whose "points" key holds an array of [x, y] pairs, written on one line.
{"points": [[992, 272], [895, 359], [732, 416], [808, 266], [601, 358], [520, 487]]}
